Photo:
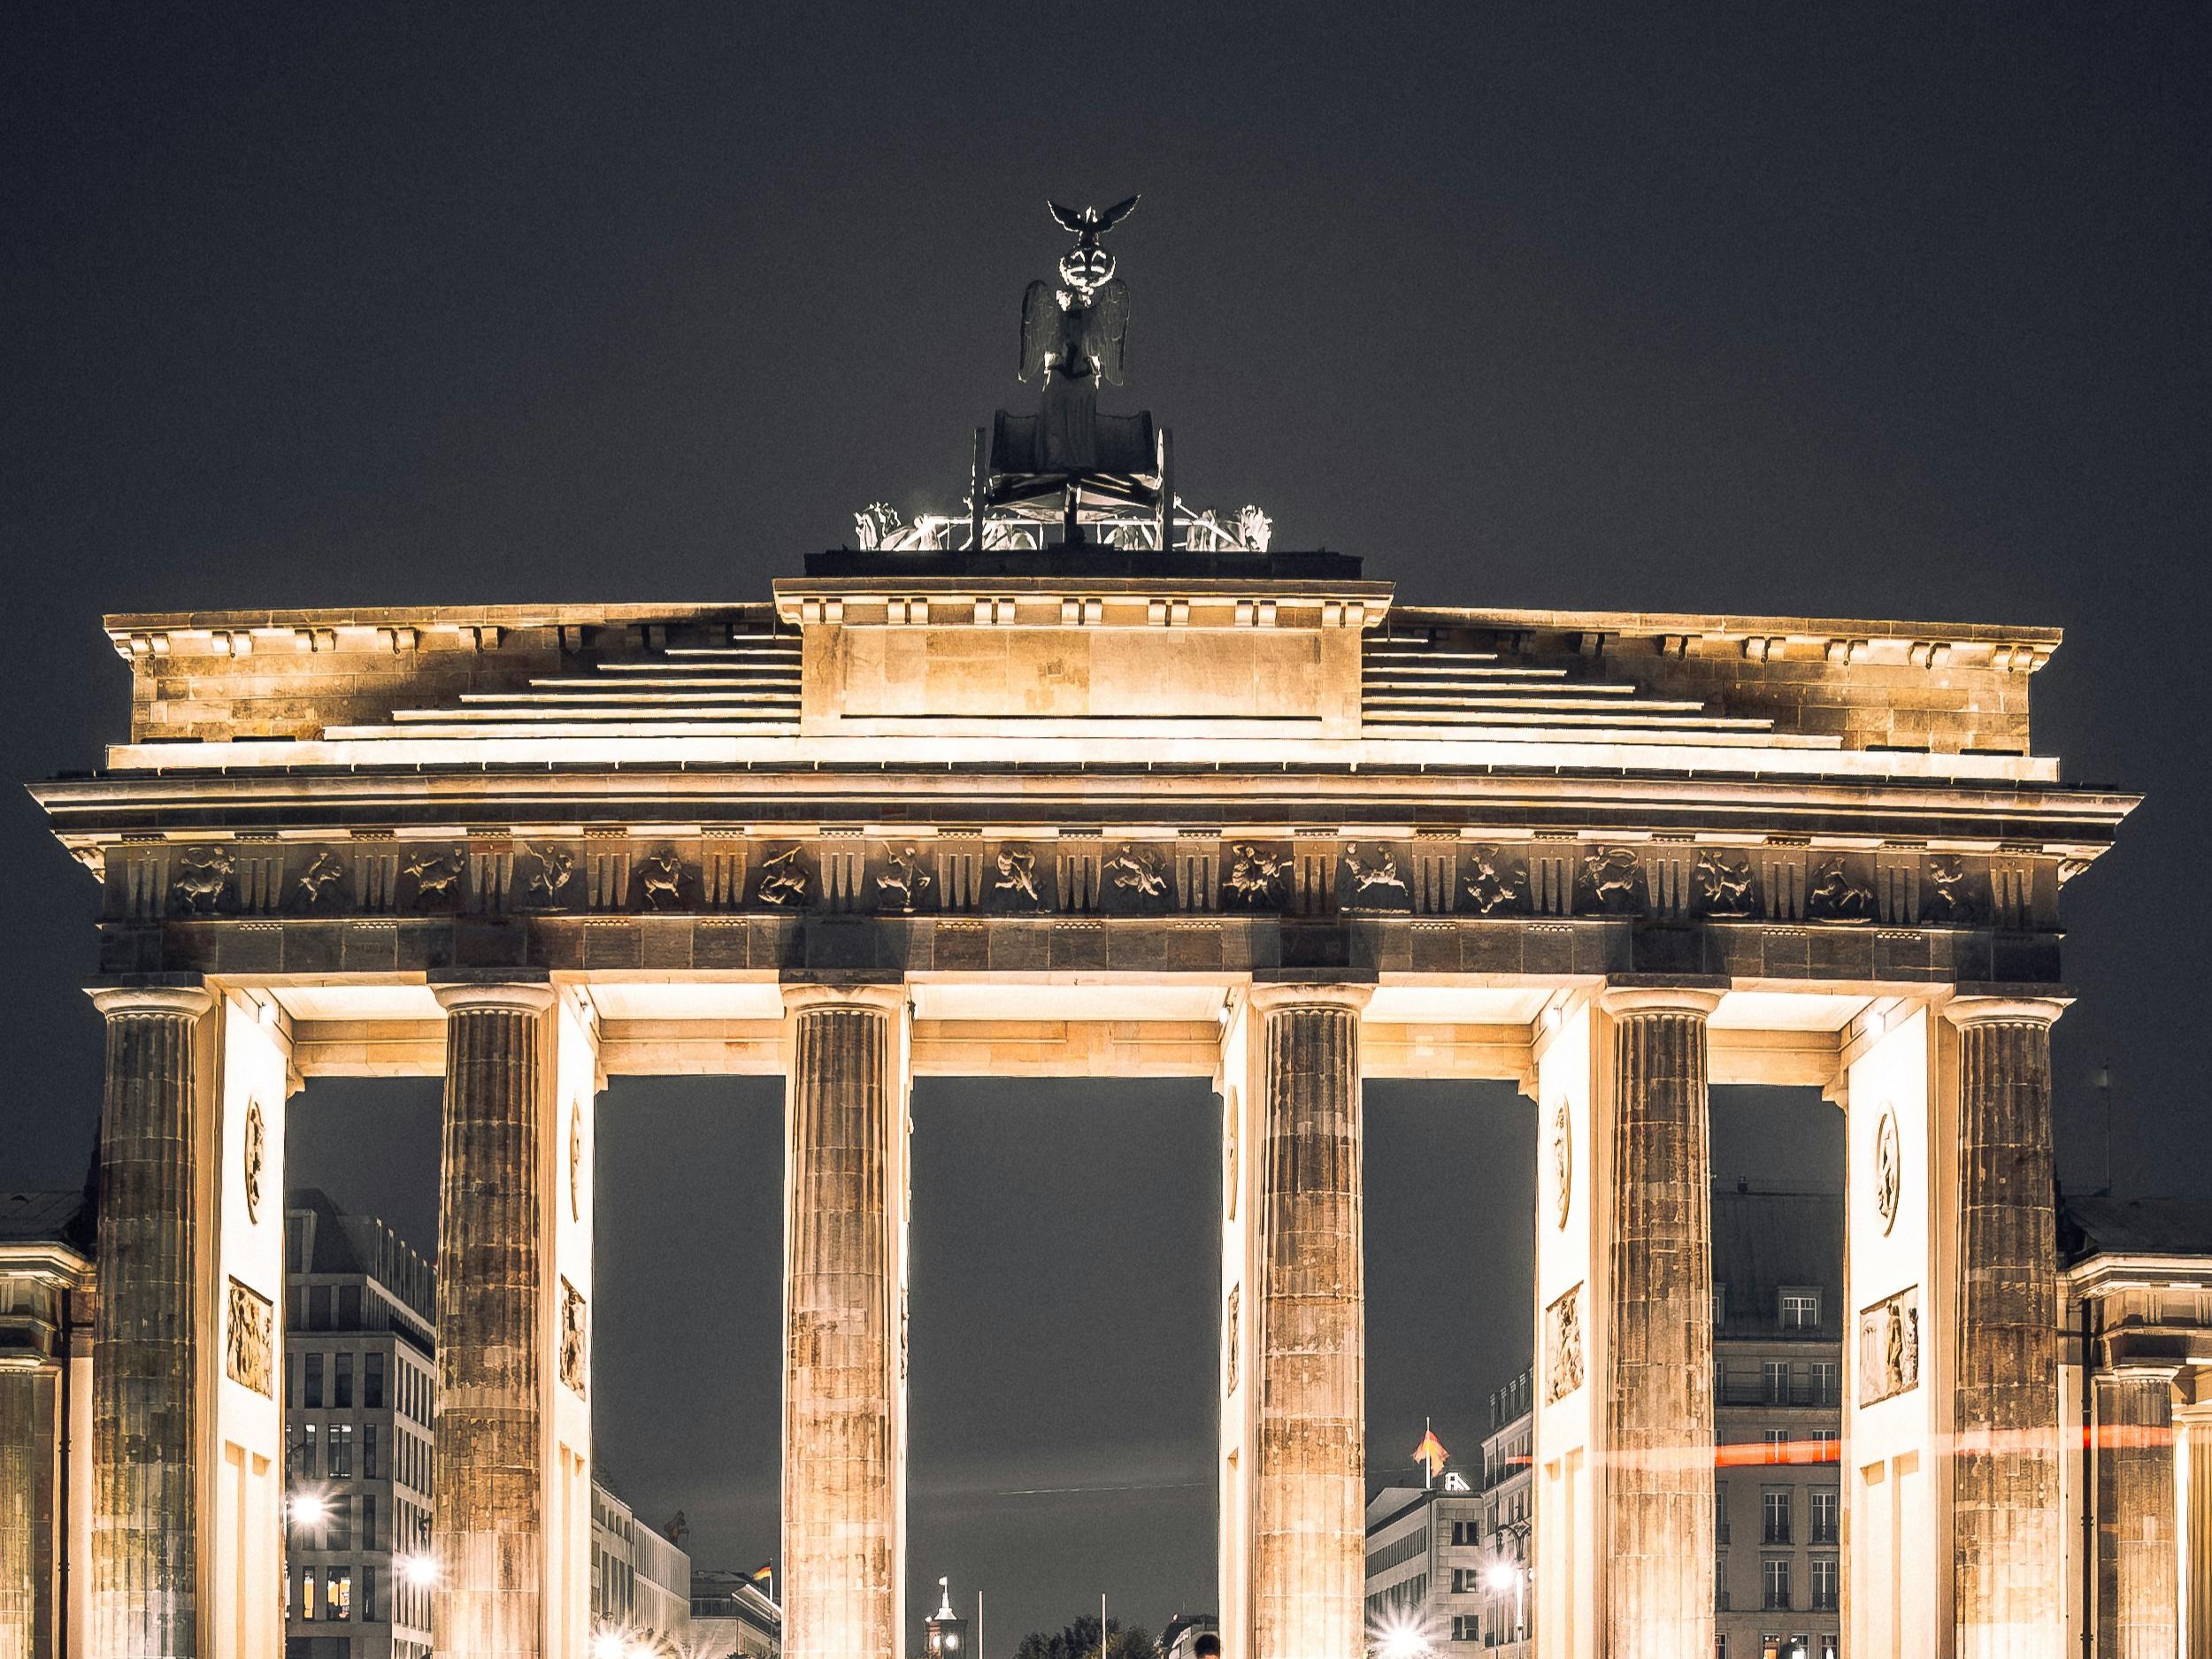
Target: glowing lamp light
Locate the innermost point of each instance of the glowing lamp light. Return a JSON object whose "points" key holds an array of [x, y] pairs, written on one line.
{"points": [[608, 1644], [308, 1509], [1400, 1636], [1498, 1576], [417, 1569]]}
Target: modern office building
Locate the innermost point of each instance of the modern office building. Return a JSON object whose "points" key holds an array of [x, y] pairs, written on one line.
{"points": [[1425, 1569], [640, 1580], [360, 1396], [46, 1250], [1507, 1610]]}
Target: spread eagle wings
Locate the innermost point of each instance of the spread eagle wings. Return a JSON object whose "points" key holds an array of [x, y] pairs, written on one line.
{"points": [[1110, 328], [1076, 221], [1040, 329]]}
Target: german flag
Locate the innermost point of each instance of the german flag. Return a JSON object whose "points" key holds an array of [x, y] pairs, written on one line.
{"points": [[763, 1573], [1430, 1454]]}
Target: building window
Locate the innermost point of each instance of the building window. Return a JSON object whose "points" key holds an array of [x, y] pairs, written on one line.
{"points": [[307, 1593], [370, 1612], [342, 1392], [368, 1451], [338, 1593], [1774, 1511], [1776, 1373], [1777, 1444], [1720, 1512], [368, 1527], [1827, 1506], [312, 1386], [372, 1381], [1827, 1390], [1801, 1309], [1774, 1583], [1823, 1583], [308, 1465], [1720, 1306], [341, 1450], [338, 1531]]}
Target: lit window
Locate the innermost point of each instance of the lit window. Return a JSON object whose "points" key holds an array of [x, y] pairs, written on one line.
{"points": [[307, 1593], [338, 1593]]}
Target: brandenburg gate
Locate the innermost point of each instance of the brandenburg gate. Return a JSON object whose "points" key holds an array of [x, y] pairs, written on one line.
{"points": [[1083, 783]]}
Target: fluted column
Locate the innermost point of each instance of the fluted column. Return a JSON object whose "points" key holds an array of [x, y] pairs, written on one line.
{"points": [[2137, 1413], [2008, 1550], [488, 1513], [145, 1440], [1309, 1562], [2193, 1426], [25, 1439], [1658, 1536], [844, 1369]]}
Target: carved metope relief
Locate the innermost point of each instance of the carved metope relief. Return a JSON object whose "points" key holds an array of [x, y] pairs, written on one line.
{"points": [[250, 1339], [575, 1343], [1229, 1154], [1887, 1174], [575, 1161], [1231, 1320], [203, 872], [1889, 1347], [1563, 1347]]}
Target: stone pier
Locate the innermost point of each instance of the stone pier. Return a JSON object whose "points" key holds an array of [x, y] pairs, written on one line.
{"points": [[24, 1434], [2137, 1409], [1308, 1562], [845, 1353], [488, 1521], [1659, 1400], [2009, 1596], [147, 1477]]}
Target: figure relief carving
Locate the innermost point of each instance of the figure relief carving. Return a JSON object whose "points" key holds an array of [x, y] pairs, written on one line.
{"points": [[1887, 1174], [1494, 880], [1231, 1320], [1835, 896], [1889, 1348], [255, 1160], [575, 1340], [437, 875], [1232, 1124], [1725, 884], [1562, 1163], [1255, 876], [661, 878], [783, 879], [1373, 873], [1017, 873], [250, 1340], [324, 871], [203, 872], [902, 880], [1614, 874], [1138, 870], [551, 869], [1948, 898], [1563, 1347]]}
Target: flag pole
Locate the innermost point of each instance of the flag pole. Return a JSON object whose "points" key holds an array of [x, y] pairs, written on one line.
{"points": [[979, 1624], [1428, 1467]]}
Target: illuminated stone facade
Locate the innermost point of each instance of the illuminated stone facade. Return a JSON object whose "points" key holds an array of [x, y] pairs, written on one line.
{"points": [[1093, 812]]}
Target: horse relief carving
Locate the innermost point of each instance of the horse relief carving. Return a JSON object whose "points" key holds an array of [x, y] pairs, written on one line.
{"points": [[1373, 873], [437, 876], [1614, 874], [550, 871], [1017, 873], [1947, 898], [661, 877], [324, 871], [203, 872], [1834, 896]]}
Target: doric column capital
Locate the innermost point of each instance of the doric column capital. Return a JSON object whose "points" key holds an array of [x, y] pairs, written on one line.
{"points": [[1625, 996], [1272, 995], [481, 996], [189, 1000], [800, 996], [2144, 1372], [2003, 1009]]}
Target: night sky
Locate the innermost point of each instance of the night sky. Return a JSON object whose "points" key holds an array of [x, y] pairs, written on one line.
{"points": [[1866, 311]]}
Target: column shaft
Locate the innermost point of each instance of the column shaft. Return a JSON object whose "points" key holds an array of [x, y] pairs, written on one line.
{"points": [[2196, 1502], [145, 1440], [2008, 1554], [1309, 1565], [1659, 1383], [489, 1511], [2139, 1416], [27, 1449], [842, 1345]]}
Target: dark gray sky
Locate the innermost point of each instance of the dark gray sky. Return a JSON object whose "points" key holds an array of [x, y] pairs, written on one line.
{"points": [[1867, 311]]}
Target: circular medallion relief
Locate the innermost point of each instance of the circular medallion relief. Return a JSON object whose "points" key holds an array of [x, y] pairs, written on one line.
{"points": [[256, 1156], [1885, 1168], [1562, 1163], [575, 1163]]}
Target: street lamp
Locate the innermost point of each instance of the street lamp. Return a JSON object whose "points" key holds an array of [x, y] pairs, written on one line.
{"points": [[1400, 1634]]}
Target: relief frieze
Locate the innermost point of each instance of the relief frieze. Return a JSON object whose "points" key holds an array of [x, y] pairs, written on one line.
{"points": [[1495, 881]]}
